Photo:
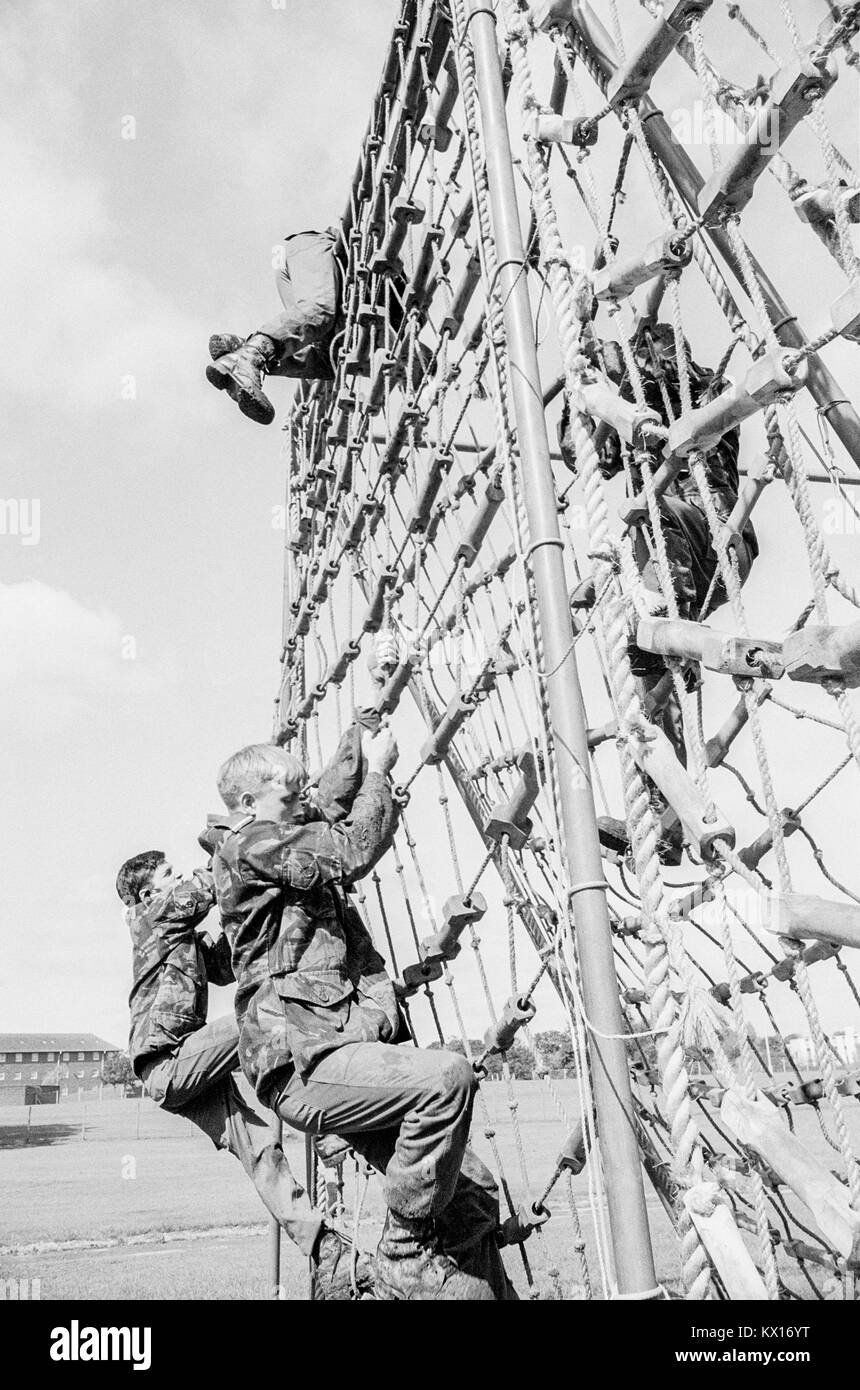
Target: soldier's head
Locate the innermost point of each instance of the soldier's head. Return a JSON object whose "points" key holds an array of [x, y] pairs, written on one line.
{"points": [[264, 781], [144, 877]]}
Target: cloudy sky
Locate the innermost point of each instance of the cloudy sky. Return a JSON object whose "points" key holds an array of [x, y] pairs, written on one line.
{"points": [[140, 634], [153, 156]]}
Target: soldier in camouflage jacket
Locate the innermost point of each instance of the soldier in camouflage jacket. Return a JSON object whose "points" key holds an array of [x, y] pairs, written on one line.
{"points": [[185, 1063], [318, 1014]]}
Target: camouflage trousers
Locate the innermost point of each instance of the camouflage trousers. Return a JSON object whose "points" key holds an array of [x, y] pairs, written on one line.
{"points": [[196, 1080], [692, 566], [407, 1111], [691, 555]]}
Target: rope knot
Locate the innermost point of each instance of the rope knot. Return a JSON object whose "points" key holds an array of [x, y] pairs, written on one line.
{"points": [[703, 1198], [608, 553]]}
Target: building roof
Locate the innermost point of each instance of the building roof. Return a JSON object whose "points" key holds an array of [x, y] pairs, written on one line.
{"points": [[55, 1042]]}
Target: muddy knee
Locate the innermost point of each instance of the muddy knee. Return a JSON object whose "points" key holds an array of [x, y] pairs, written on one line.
{"points": [[456, 1077]]}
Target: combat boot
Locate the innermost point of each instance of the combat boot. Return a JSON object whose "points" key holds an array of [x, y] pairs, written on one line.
{"points": [[333, 1269], [411, 1266], [222, 343], [241, 374]]}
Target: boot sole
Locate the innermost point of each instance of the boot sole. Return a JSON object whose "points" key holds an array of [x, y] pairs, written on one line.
{"points": [[262, 412]]}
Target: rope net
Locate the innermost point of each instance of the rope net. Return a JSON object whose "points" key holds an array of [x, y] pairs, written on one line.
{"points": [[405, 518]]}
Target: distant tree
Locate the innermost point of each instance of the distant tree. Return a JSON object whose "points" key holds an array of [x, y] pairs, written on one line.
{"points": [[117, 1070], [775, 1045], [521, 1062], [553, 1050]]}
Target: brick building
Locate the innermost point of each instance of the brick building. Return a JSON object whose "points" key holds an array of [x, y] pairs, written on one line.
{"points": [[45, 1067]]}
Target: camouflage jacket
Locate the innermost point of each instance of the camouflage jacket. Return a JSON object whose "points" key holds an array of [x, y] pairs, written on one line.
{"points": [[309, 977], [215, 829], [337, 785], [171, 968]]}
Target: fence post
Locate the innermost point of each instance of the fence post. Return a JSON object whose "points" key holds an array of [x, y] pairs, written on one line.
{"points": [[29, 1122]]}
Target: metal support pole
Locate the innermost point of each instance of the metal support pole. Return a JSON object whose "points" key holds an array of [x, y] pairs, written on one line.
{"points": [[276, 1290], [825, 390], [634, 1264]]}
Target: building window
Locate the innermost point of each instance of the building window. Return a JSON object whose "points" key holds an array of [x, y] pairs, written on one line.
{"points": [[79, 1075], [19, 1056], [81, 1056], [34, 1076], [2, 1076], [65, 1090], [2, 1056], [17, 1076], [34, 1056], [65, 1056], [96, 1072], [50, 1057]]}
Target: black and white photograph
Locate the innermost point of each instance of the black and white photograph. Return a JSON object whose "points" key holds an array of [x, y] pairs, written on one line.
{"points": [[430, 671]]}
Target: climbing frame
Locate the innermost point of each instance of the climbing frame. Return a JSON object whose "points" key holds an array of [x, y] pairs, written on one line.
{"points": [[410, 494]]}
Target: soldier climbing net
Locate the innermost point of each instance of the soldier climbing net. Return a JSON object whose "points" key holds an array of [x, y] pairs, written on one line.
{"points": [[417, 491]]}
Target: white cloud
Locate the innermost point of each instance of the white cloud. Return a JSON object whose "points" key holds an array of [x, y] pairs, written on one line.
{"points": [[60, 657], [100, 324]]}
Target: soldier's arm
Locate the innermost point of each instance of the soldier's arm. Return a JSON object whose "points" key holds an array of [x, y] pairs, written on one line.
{"points": [[305, 857], [368, 832], [189, 902], [340, 779], [309, 855]]}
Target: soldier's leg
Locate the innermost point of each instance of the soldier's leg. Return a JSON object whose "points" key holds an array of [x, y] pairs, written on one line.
{"points": [[204, 1057], [469, 1224], [420, 1098], [307, 285], [232, 1124], [679, 554], [410, 1110], [197, 1082]]}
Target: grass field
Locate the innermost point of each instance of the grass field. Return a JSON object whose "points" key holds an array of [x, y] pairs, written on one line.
{"points": [[121, 1200]]}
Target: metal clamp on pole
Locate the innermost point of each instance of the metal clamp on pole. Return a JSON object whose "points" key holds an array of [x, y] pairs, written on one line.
{"points": [[632, 81], [555, 129], [793, 93], [437, 131], [436, 746], [665, 254], [718, 651], [770, 378], [510, 818], [818, 654]]}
